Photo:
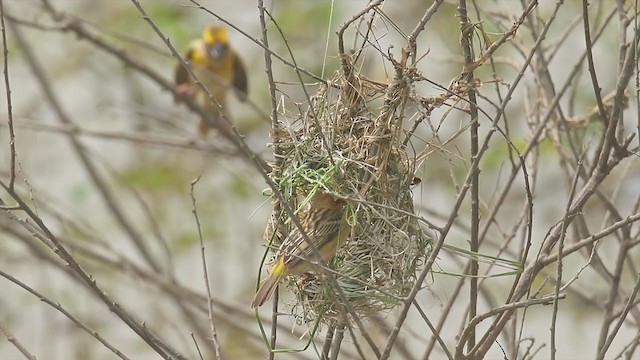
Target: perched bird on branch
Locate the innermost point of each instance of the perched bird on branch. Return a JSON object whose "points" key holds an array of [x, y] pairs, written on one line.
{"points": [[325, 225], [219, 68]]}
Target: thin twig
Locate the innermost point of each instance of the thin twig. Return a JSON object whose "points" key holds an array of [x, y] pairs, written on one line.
{"points": [[93, 333], [467, 31], [328, 340], [7, 87], [559, 269], [622, 316], [12, 338], [205, 271], [337, 342]]}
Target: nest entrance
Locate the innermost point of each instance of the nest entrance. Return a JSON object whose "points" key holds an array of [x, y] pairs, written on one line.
{"points": [[342, 146]]}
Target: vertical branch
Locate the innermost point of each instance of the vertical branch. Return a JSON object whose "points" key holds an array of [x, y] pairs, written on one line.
{"points": [[12, 137], [276, 133], [612, 297], [212, 326], [610, 141], [339, 335], [328, 340], [636, 26], [468, 79], [559, 269], [592, 69], [273, 337]]}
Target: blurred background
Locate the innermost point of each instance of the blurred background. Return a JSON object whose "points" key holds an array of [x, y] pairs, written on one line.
{"points": [[107, 159]]}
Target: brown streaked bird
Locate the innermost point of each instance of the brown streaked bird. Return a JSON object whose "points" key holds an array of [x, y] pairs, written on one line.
{"points": [[219, 68], [327, 228]]}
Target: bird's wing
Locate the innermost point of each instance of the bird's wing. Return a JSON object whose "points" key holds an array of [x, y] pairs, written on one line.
{"points": [[240, 82], [181, 73], [295, 248]]}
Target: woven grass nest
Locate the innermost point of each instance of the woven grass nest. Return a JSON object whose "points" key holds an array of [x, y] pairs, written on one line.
{"points": [[350, 143]]}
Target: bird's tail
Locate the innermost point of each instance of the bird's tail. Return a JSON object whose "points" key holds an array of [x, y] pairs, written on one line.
{"points": [[266, 290]]}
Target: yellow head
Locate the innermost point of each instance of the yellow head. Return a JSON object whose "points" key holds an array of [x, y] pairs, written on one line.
{"points": [[216, 40]]}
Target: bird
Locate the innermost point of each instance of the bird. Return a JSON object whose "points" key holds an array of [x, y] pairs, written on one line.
{"points": [[327, 228], [219, 68]]}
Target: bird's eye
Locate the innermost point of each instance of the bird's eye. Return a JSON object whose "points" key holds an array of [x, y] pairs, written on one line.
{"points": [[217, 50]]}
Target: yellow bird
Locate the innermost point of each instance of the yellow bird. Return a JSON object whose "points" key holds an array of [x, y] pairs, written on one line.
{"points": [[219, 68], [327, 228]]}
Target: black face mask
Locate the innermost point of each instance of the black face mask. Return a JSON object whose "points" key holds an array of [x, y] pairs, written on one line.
{"points": [[217, 50]]}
